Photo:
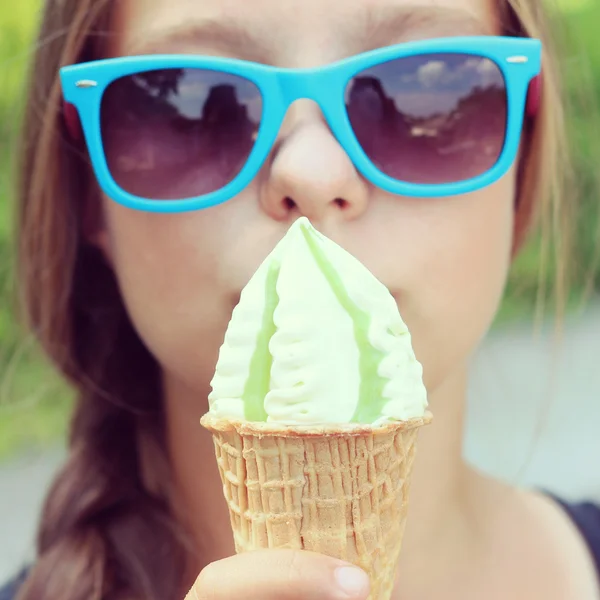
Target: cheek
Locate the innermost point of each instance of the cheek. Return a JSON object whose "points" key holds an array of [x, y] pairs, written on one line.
{"points": [[171, 279], [464, 260], [180, 276]]}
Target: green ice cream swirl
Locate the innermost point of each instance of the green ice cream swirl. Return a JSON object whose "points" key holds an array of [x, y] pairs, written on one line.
{"points": [[370, 398]]}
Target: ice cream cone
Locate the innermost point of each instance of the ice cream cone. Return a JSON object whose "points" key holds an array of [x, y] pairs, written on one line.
{"points": [[340, 490]]}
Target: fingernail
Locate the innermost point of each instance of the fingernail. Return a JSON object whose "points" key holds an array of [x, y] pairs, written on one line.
{"points": [[352, 581]]}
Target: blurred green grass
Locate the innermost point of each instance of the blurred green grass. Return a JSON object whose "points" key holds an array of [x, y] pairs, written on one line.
{"points": [[34, 404]]}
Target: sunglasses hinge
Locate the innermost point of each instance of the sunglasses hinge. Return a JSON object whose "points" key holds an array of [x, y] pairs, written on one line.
{"points": [[86, 83]]}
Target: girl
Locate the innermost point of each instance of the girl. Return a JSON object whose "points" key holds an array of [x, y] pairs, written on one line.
{"points": [[430, 162]]}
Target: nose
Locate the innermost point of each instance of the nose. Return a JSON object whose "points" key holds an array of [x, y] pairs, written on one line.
{"points": [[311, 175]]}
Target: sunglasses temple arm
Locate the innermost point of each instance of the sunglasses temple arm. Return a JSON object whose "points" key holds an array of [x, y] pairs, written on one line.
{"points": [[534, 96], [72, 121]]}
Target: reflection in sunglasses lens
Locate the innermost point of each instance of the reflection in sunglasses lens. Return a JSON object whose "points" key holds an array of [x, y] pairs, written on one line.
{"points": [[175, 134], [430, 119]]}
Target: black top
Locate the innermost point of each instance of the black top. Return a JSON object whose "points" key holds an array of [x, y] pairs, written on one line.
{"points": [[587, 518], [585, 515], [10, 591]]}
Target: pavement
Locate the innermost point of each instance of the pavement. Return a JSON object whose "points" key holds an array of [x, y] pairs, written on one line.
{"points": [[533, 420], [534, 407], [23, 484]]}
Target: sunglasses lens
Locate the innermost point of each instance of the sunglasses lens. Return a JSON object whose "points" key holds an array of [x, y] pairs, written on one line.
{"points": [[430, 119], [176, 134]]}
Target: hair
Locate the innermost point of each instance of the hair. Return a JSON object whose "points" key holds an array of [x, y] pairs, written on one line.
{"points": [[108, 528]]}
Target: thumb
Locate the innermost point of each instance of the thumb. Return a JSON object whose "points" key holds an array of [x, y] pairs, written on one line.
{"points": [[280, 575]]}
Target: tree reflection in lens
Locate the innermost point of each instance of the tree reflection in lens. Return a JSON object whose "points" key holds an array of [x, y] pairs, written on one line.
{"points": [[178, 133], [430, 119]]}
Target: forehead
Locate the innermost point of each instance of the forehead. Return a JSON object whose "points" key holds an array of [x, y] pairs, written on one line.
{"points": [[291, 32]]}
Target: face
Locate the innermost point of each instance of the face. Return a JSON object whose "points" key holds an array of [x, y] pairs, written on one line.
{"points": [[445, 260]]}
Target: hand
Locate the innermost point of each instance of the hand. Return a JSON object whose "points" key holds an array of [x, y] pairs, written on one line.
{"points": [[280, 575]]}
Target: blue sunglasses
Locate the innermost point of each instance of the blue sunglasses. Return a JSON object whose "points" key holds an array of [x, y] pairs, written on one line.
{"points": [[173, 133]]}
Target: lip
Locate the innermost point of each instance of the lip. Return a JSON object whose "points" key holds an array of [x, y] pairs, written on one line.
{"points": [[235, 298]]}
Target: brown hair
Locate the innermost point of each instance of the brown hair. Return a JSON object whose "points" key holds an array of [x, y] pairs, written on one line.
{"points": [[108, 529]]}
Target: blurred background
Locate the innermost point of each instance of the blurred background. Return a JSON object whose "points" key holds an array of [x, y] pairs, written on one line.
{"points": [[534, 411]]}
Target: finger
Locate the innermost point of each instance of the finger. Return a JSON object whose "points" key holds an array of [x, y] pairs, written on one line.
{"points": [[280, 575]]}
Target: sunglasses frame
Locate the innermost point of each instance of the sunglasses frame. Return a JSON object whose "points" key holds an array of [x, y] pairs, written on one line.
{"points": [[519, 60]]}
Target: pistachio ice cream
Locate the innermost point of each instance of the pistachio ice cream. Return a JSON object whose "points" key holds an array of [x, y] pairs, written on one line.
{"points": [[316, 339]]}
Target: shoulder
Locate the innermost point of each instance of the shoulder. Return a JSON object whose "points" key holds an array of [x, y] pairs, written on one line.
{"points": [[559, 549], [536, 550]]}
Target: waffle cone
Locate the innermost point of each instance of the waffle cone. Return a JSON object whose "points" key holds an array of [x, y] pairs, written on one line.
{"points": [[337, 490]]}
